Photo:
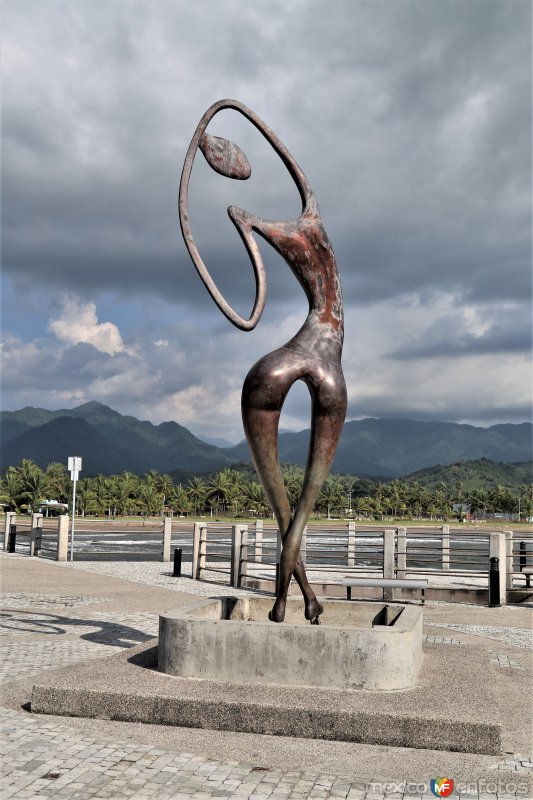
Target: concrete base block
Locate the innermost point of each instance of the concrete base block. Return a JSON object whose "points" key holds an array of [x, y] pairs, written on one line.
{"points": [[356, 646], [129, 688]]}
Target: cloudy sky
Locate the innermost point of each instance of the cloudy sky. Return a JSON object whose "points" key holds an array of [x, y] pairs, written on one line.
{"points": [[412, 121]]}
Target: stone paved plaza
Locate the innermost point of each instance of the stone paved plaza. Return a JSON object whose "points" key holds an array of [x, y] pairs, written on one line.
{"points": [[88, 610]]}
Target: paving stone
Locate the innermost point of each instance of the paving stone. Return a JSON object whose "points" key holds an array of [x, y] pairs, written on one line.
{"points": [[89, 767]]}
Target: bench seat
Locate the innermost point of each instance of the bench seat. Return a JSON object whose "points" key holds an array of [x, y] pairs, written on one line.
{"points": [[385, 583], [528, 572]]}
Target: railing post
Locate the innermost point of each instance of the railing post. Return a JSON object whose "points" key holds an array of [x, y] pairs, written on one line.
{"points": [[508, 559], [401, 564], [258, 543], [167, 533], [351, 544], [523, 562], [388, 561], [62, 537], [195, 551], [303, 547], [242, 568], [10, 519], [445, 547], [497, 549], [36, 535], [236, 539], [202, 552], [522, 555], [279, 545]]}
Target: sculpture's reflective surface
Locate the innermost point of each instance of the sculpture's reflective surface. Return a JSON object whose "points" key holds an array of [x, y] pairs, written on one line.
{"points": [[313, 355]]}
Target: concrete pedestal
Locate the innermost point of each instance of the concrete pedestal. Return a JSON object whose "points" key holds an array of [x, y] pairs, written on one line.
{"points": [[357, 646]]}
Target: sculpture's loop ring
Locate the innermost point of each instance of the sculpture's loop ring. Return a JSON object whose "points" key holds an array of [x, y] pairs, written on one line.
{"points": [[244, 230]]}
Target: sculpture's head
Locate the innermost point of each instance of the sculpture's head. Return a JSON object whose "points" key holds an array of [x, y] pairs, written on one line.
{"points": [[225, 157]]}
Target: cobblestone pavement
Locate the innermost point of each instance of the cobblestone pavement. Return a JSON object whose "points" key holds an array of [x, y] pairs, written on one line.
{"points": [[106, 627], [36, 600], [517, 637], [503, 660], [49, 759], [154, 573], [429, 639], [42, 757]]}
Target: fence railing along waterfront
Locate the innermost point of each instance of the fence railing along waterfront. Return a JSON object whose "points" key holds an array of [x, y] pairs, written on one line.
{"points": [[235, 553]]}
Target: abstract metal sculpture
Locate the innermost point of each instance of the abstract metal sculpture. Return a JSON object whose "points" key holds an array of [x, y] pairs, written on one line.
{"points": [[313, 355]]}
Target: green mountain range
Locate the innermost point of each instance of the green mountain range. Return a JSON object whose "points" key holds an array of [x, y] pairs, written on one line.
{"points": [[479, 474], [110, 443], [393, 447], [107, 441]]}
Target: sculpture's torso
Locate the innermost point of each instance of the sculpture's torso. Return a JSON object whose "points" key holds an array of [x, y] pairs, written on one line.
{"points": [[304, 245]]}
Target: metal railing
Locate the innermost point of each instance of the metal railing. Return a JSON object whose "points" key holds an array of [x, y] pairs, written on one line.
{"points": [[521, 557], [233, 553], [253, 552]]}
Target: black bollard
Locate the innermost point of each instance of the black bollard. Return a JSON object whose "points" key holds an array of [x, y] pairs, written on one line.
{"points": [[177, 562], [12, 538], [494, 583], [523, 562], [523, 556]]}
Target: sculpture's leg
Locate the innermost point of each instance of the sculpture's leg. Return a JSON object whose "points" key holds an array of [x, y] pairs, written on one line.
{"points": [[261, 428], [328, 419], [264, 451]]}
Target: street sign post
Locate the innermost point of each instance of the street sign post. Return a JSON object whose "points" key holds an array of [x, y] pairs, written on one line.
{"points": [[74, 466]]}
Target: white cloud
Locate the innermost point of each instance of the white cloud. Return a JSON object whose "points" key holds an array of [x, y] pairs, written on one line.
{"points": [[78, 322]]}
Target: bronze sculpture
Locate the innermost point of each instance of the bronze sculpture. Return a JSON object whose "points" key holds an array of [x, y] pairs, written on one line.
{"points": [[312, 355]]}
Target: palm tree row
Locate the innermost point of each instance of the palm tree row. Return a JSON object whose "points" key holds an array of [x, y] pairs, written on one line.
{"points": [[237, 493]]}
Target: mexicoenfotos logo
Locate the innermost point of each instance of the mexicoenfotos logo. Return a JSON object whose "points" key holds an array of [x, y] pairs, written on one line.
{"points": [[441, 787]]}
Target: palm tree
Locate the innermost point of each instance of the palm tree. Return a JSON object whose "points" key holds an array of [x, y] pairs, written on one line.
{"points": [[330, 496], [85, 497], [364, 506], [500, 499], [151, 499], [197, 492], [34, 489], [179, 501], [57, 481], [26, 468], [293, 480], [236, 499], [101, 488], [129, 493], [395, 492], [256, 499], [165, 485], [477, 500], [218, 490], [152, 476], [11, 489]]}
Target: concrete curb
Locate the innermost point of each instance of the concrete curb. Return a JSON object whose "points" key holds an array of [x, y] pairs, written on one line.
{"points": [[85, 691]]}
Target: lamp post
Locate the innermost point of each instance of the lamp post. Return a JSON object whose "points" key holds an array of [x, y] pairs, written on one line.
{"points": [[74, 465]]}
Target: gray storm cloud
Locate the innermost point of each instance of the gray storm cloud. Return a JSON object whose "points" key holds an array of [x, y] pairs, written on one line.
{"points": [[412, 121]]}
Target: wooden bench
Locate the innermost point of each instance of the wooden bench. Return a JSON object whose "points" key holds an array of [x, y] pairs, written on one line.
{"points": [[528, 572], [385, 583]]}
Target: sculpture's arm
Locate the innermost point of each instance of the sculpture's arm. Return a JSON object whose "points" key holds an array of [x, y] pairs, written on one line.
{"points": [[242, 220]]}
